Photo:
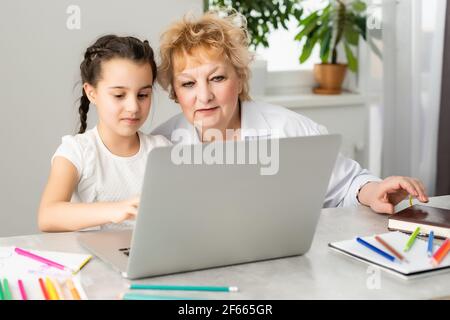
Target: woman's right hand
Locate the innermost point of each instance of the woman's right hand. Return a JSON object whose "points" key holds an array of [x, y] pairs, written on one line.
{"points": [[125, 210]]}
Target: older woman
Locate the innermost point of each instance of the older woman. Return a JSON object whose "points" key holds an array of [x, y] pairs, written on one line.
{"points": [[205, 68]]}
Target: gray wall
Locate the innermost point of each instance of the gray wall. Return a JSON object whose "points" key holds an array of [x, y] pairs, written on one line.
{"points": [[39, 71]]}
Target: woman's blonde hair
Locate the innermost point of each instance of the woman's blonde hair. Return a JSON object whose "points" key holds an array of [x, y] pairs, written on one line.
{"points": [[223, 36]]}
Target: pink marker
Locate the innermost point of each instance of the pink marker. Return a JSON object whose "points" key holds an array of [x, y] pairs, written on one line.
{"points": [[40, 259], [22, 290]]}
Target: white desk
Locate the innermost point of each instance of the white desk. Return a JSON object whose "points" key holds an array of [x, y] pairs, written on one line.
{"points": [[319, 274]]}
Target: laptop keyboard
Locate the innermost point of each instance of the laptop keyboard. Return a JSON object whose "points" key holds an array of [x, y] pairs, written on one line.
{"points": [[125, 251]]}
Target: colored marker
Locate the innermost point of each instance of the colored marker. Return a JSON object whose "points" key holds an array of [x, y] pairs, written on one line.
{"points": [[58, 290], [51, 289], [182, 288], [7, 291], [44, 290], [411, 240], [430, 243], [73, 290], [2, 297], [22, 290], [441, 253], [410, 200], [391, 249], [40, 259], [375, 249]]}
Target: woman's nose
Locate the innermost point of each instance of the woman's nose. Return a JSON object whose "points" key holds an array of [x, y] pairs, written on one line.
{"points": [[204, 93], [132, 105]]}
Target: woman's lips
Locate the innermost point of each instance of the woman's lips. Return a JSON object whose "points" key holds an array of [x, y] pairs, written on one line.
{"points": [[131, 121], [208, 111]]}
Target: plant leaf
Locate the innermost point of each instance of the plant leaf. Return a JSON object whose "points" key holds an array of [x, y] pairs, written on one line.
{"points": [[351, 60]]}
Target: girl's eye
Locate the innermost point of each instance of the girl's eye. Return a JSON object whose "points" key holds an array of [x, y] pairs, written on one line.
{"points": [[218, 78], [119, 96], [143, 96], [187, 84]]}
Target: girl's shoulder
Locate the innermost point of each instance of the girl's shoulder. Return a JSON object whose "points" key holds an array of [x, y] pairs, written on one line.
{"points": [[153, 141]]}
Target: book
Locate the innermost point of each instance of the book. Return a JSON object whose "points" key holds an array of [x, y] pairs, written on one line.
{"points": [[418, 264], [427, 218]]}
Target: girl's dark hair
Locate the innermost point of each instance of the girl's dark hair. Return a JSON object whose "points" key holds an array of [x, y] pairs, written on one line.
{"points": [[104, 49]]}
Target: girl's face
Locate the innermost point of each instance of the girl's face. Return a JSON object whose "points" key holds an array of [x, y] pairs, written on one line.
{"points": [[122, 95], [207, 90]]}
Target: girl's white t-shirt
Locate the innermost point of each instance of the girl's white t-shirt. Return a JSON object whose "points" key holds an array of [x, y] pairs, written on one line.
{"points": [[102, 175]]}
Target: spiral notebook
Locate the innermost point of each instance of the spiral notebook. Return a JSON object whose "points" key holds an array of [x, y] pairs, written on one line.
{"points": [[419, 263]]}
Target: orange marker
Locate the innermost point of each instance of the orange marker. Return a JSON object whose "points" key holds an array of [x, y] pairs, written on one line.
{"points": [[73, 290], [441, 253]]}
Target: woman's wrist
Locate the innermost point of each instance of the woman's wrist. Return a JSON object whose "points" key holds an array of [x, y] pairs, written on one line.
{"points": [[366, 193]]}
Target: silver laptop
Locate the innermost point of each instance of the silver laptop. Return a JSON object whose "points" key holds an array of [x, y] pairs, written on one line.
{"points": [[196, 212]]}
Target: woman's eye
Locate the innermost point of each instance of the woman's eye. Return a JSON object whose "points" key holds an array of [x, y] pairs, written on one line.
{"points": [[119, 96], [188, 84], [143, 96], [218, 78]]}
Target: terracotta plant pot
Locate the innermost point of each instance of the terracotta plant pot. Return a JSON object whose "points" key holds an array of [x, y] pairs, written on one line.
{"points": [[330, 77]]}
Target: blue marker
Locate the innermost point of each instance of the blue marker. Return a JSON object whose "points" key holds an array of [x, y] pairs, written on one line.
{"points": [[375, 249], [430, 244]]}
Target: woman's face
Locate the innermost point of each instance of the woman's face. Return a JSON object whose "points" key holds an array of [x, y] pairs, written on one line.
{"points": [[207, 90], [122, 96]]}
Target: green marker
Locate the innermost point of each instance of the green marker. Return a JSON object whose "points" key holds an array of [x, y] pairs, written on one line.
{"points": [[1, 291], [411, 240], [8, 295]]}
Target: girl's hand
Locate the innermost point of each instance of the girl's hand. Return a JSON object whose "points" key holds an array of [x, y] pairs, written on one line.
{"points": [[125, 210], [384, 195]]}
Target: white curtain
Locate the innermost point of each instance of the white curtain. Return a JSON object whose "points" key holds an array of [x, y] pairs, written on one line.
{"points": [[405, 88]]}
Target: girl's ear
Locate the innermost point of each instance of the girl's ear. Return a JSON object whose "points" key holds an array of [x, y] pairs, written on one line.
{"points": [[90, 92]]}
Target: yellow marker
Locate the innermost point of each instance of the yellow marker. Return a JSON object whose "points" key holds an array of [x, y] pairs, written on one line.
{"points": [[82, 265], [53, 295], [410, 201], [73, 290]]}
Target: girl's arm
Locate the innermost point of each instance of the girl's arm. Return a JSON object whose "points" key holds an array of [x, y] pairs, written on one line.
{"points": [[57, 213]]}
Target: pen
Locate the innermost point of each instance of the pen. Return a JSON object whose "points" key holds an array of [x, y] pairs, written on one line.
{"points": [[8, 295], [22, 290], [411, 240], [183, 288], [375, 249], [40, 259], [391, 249], [430, 243], [441, 253]]}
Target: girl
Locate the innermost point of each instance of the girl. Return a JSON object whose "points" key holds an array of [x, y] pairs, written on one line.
{"points": [[96, 175]]}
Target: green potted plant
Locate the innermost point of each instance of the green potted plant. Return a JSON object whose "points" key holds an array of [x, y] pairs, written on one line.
{"points": [[339, 23], [263, 16]]}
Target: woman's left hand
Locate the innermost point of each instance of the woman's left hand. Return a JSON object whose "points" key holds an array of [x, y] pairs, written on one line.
{"points": [[382, 196]]}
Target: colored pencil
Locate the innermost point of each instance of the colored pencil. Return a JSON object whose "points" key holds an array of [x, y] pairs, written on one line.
{"points": [[430, 244], [40, 259], [183, 288], [51, 289], [22, 290], [137, 296], [390, 248], [441, 253], [73, 290], [411, 239], [8, 295], [375, 249], [44, 290]]}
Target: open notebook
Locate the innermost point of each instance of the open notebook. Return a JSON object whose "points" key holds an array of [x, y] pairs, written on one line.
{"points": [[14, 267], [419, 263]]}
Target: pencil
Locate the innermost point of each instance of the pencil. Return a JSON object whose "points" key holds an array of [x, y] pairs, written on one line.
{"points": [[44, 290], [73, 290], [51, 289], [184, 288], [391, 249], [22, 290], [441, 253], [8, 295]]}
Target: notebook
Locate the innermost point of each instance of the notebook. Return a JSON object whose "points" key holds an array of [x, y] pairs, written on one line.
{"points": [[427, 218], [419, 263], [14, 267]]}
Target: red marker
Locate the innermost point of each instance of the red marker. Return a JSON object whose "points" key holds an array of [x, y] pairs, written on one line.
{"points": [[441, 253]]}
